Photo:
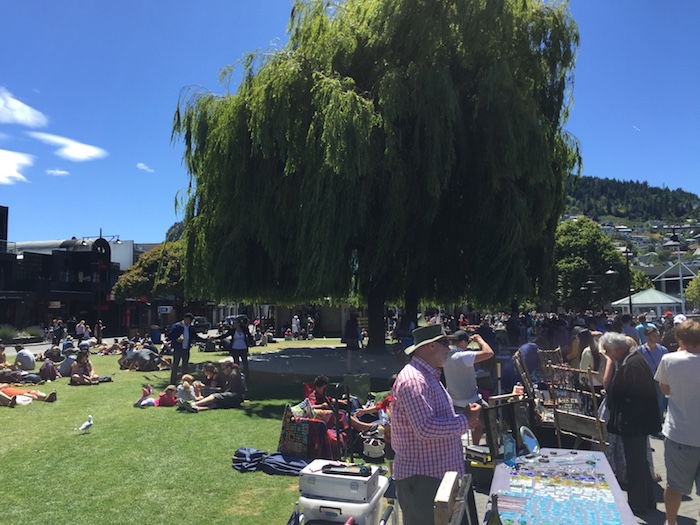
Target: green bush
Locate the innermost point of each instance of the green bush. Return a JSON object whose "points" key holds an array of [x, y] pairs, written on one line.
{"points": [[34, 331], [7, 332]]}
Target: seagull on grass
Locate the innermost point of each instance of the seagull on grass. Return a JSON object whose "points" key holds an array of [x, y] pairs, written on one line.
{"points": [[85, 427]]}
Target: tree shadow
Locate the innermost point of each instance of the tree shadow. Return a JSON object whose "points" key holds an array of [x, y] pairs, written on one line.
{"points": [[264, 410]]}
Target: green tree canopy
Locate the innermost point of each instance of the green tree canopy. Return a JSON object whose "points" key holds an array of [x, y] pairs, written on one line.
{"points": [[157, 273], [692, 291], [392, 148], [584, 253], [640, 281]]}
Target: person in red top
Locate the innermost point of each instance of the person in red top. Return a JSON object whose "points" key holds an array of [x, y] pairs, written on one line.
{"points": [[167, 398], [425, 429]]}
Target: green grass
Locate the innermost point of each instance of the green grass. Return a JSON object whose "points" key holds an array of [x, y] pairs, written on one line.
{"points": [[153, 465]]}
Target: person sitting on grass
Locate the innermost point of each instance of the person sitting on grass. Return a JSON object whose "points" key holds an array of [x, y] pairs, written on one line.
{"points": [[65, 366], [209, 384], [233, 389], [187, 389], [11, 393], [3, 358], [24, 360], [167, 398], [82, 372]]}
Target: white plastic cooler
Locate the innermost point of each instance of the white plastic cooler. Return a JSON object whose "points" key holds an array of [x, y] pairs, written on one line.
{"points": [[338, 511], [313, 483]]}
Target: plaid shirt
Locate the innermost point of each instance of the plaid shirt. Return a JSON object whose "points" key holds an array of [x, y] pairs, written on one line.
{"points": [[425, 431]]}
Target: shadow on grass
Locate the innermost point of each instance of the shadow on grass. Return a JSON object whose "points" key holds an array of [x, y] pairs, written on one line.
{"points": [[264, 410]]}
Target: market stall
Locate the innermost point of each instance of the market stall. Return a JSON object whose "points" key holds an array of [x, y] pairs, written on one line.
{"points": [[560, 486]]}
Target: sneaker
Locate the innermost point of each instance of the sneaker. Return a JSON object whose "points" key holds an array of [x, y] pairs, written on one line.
{"points": [[190, 407], [181, 405]]}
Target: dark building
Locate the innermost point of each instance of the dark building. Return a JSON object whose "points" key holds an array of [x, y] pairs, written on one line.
{"points": [[70, 280]]}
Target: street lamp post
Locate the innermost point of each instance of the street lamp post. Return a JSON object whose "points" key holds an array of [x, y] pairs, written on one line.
{"points": [[675, 242], [628, 254]]}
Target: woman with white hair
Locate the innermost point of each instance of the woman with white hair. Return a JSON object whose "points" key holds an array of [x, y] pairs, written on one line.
{"points": [[634, 414]]}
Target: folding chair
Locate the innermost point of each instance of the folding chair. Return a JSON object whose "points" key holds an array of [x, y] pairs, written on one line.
{"points": [[454, 501], [574, 402], [546, 358]]}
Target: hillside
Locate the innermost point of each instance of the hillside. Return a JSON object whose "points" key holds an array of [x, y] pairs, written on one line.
{"points": [[638, 201]]}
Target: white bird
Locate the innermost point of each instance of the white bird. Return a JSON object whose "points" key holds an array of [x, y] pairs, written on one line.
{"points": [[86, 425]]}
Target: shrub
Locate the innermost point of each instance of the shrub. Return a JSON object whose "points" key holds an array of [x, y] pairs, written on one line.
{"points": [[34, 331], [7, 332]]}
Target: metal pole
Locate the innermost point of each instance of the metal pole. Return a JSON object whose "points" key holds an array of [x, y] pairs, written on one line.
{"points": [[680, 278], [629, 278]]}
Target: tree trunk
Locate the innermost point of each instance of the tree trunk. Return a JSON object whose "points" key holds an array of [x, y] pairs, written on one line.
{"points": [[410, 310], [375, 318]]}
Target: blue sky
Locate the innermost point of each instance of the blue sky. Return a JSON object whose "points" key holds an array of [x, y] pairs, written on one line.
{"points": [[88, 90]]}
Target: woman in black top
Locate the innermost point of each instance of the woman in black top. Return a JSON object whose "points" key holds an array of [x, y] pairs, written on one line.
{"points": [[634, 414]]}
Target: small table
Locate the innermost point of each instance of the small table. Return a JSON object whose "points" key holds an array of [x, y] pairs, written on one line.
{"points": [[559, 461]]}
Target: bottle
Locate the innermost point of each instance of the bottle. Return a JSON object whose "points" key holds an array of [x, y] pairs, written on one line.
{"points": [[494, 517], [509, 449], [383, 417]]}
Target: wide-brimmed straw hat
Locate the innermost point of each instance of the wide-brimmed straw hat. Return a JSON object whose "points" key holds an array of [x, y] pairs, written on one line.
{"points": [[425, 335]]}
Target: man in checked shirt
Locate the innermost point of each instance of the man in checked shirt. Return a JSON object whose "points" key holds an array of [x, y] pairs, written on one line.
{"points": [[425, 429]]}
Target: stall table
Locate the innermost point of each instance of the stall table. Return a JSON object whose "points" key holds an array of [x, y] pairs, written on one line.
{"points": [[575, 487]]}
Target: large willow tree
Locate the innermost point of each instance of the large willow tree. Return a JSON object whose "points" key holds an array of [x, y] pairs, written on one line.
{"points": [[394, 148]]}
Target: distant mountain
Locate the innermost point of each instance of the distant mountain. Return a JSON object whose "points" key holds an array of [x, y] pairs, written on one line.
{"points": [[638, 201]]}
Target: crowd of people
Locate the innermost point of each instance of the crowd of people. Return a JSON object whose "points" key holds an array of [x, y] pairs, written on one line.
{"points": [[221, 385], [644, 371]]}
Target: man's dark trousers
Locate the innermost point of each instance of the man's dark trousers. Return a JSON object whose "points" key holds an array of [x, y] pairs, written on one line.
{"points": [[179, 353]]}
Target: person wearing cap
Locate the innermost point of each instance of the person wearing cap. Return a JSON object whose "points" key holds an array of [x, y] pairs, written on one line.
{"points": [[460, 375], [64, 367], [677, 376], [426, 430], [668, 339], [182, 335], [642, 326]]}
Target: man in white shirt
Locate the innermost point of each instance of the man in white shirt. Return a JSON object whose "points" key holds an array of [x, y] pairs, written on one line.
{"points": [[677, 376], [460, 375]]}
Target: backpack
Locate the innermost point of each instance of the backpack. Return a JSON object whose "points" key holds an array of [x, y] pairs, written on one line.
{"points": [[48, 371]]}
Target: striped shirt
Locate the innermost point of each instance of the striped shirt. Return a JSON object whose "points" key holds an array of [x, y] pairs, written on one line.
{"points": [[425, 431]]}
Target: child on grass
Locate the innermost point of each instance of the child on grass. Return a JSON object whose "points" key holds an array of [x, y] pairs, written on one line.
{"points": [[165, 399], [188, 389]]}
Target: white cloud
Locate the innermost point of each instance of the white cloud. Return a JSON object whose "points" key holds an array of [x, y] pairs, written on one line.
{"points": [[635, 128], [11, 162], [57, 173], [13, 111], [70, 149], [144, 167]]}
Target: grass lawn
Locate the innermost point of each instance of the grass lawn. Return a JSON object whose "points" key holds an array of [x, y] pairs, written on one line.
{"points": [[153, 465]]}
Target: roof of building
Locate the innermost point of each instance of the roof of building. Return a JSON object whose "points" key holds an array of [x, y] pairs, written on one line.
{"points": [[648, 297], [671, 273]]}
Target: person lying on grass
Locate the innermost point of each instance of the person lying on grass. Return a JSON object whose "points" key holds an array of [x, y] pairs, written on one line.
{"points": [[232, 384], [166, 398], [82, 372], [8, 395]]}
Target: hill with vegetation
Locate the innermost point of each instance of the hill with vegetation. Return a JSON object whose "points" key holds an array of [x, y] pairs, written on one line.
{"points": [[634, 200]]}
